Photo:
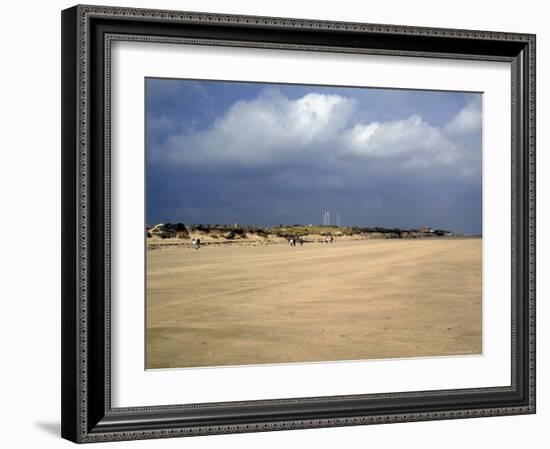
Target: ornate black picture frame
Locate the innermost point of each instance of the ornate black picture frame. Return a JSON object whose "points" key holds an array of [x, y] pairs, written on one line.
{"points": [[87, 34]]}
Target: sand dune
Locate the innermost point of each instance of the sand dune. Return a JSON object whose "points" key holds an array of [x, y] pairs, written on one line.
{"points": [[349, 300]]}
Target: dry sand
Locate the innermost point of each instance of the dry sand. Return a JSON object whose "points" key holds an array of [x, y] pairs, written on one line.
{"points": [[320, 302]]}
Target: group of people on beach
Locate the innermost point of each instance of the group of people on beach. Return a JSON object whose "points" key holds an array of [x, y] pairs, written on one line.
{"points": [[292, 241]]}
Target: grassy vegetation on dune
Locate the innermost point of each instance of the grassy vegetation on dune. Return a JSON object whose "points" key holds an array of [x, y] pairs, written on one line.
{"points": [[237, 232]]}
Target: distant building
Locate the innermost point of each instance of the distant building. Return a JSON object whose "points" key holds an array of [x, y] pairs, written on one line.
{"points": [[425, 229]]}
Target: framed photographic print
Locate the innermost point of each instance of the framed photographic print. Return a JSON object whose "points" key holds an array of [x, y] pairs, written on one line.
{"points": [[276, 223]]}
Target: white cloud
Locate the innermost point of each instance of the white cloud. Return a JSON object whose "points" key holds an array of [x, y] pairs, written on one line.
{"points": [[275, 129], [267, 128], [468, 120], [413, 140]]}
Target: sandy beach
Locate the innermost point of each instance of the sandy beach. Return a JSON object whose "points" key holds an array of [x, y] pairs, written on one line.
{"points": [[350, 300]]}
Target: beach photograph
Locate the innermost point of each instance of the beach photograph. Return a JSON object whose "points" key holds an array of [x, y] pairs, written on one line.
{"points": [[295, 223]]}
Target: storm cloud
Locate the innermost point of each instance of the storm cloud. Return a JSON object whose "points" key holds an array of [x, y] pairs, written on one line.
{"points": [[265, 155]]}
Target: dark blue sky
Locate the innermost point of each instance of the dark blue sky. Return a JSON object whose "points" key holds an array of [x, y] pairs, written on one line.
{"points": [[269, 154]]}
